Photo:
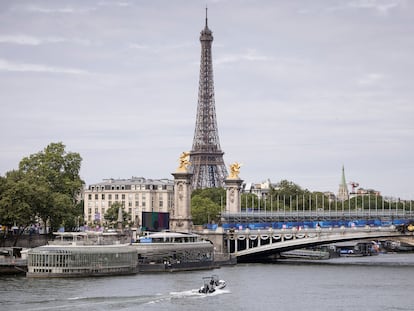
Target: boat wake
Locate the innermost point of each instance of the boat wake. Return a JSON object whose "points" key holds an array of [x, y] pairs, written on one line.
{"points": [[92, 303], [196, 293], [116, 302]]}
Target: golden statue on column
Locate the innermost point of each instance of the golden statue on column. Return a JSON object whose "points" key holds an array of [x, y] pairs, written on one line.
{"points": [[234, 170], [184, 162]]}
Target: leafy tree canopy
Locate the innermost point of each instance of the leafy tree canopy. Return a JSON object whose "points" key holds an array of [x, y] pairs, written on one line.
{"points": [[216, 195], [111, 214], [206, 205], [204, 210], [287, 188], [46, 186]]}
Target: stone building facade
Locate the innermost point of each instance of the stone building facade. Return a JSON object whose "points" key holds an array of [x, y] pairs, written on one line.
{"points": [[136, 195]]}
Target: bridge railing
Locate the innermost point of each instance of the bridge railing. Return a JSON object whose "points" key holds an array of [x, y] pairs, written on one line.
{"points": [[317, 215]]}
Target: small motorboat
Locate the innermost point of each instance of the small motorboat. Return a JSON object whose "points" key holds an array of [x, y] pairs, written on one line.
{"points": [[211, 284]]}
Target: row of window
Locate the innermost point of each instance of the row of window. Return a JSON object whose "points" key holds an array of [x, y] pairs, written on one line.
{"points": [[130, 187], [129, 203], [116, 196]]}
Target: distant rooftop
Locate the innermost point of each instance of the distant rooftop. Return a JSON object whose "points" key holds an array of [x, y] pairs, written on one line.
{"points": [[116, 184]]}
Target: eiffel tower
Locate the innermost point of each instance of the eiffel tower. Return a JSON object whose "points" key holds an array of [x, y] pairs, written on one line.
{"points": [[206, 157]]}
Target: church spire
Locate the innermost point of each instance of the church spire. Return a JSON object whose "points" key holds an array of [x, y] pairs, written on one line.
{"points": [[343, 193]]}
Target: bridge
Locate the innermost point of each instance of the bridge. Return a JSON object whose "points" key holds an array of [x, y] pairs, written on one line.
{"points": [[253, 236], [289, 223], [261, 245]]}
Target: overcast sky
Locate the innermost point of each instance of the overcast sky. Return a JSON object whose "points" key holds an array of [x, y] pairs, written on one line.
{"points": [[301, 87]]}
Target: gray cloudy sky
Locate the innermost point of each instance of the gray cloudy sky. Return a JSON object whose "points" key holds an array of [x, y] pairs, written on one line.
{"points": [[302, 87]]}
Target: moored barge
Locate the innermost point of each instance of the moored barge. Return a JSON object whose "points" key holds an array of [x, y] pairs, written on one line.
{"points": [[80, 255], [174, 251]]}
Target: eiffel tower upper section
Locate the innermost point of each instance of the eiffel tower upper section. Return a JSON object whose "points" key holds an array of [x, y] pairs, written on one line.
{"points": [[206, 157]]}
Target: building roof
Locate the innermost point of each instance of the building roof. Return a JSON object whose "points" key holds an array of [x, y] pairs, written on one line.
{"points": [[135, 181]]}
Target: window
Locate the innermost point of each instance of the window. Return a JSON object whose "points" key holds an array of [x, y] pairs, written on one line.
{"points": [[123, 196], [103, 196], [89, 196], [116, 197], [96, 196], [109, 196]]}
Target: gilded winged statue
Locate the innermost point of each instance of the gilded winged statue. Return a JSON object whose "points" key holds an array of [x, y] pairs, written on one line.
{"points": [[234, 170], [184, 162]]}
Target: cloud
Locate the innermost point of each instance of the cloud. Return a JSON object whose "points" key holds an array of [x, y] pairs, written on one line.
{"points": [[138, 46], [114, 3], [62, 10], [22, 39], [370, 79], [251, 55], [6, 65], [29, 40], [380, 6]]}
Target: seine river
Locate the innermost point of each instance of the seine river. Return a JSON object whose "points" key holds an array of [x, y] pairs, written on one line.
{"points": [[383, 282]]}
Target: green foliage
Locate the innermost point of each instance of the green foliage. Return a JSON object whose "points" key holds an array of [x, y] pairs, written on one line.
{"points": [[111, 215], [204, 210], [45, 186], [216, 195], [287, 188], [16, 193], [206, 205]]}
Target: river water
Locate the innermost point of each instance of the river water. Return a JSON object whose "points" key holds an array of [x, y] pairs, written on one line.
{"points": [[383, 282]]}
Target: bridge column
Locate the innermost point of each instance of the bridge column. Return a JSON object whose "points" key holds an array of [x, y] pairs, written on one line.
{"points": [[236, 247], [233, 186], [180, 218]]}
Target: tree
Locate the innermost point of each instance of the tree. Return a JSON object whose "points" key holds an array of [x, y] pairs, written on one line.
{"points": [[204, 210], [15, 197], [287, 195], [216, 195], [206, 205], [46, 186], [111, 214]]}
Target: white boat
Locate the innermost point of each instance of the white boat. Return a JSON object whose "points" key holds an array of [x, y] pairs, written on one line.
{"points": [[211, 284], [173, 251], [81, 254]]}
